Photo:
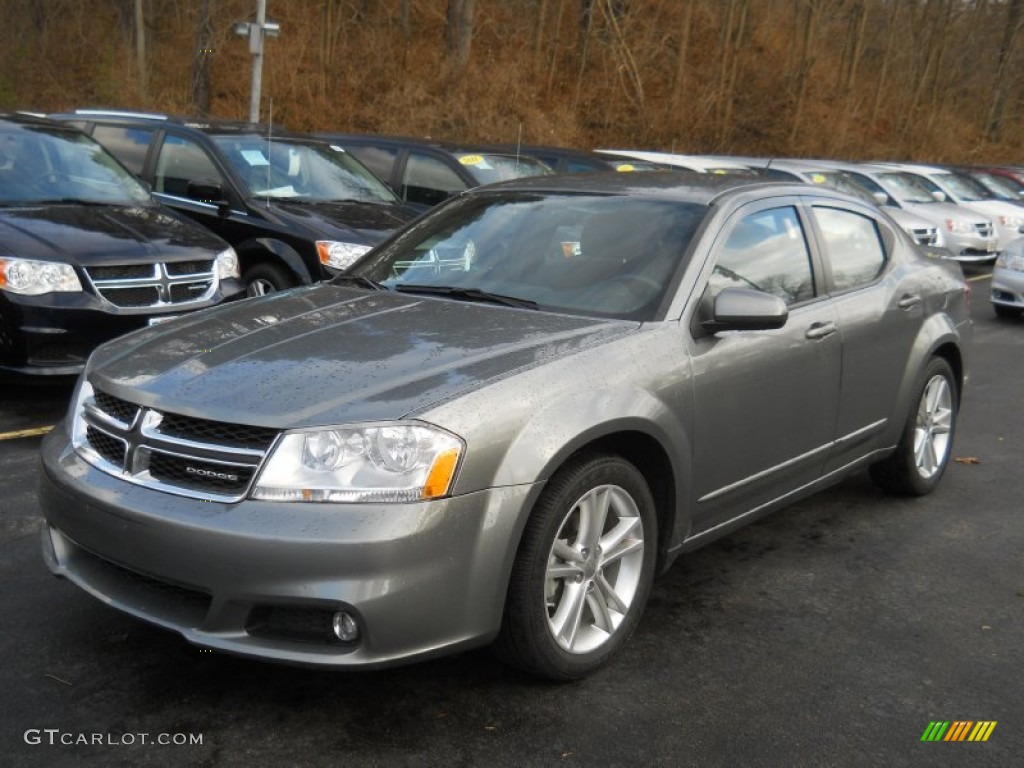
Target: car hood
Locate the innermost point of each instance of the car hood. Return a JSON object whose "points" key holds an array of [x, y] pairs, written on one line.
{"points": [[346, 221], [102, 234], [940, 211], [329, 354]]}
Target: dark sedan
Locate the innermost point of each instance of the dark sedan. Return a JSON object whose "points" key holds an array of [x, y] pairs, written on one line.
{"points": [[502, 423]]}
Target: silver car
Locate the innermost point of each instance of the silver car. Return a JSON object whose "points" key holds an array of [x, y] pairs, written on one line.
{"points": [[501, 424], [1007, 293]]}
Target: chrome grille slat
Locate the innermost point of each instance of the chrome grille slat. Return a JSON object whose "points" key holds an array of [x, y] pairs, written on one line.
{"points": [[130, 441]]}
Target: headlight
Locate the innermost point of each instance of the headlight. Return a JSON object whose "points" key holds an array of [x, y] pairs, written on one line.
{"points": [[227, 265], [339, 255], [1012, 260], [394, 462], [32, 278], [1011, 221], [962, 227]]}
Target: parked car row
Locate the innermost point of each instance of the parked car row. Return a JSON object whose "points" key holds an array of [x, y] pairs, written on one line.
{"points": [[293, 209]]}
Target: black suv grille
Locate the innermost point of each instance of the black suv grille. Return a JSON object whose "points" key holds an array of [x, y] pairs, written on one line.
{"points": [[181, 454], [155, 285]]}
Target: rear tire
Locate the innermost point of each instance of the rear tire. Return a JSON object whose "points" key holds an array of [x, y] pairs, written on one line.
{"points": [[583, 571], [921, 457], [265, 277]]}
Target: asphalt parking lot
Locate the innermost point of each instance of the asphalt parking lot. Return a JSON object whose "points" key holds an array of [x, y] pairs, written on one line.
{"points": [[829, 634]]}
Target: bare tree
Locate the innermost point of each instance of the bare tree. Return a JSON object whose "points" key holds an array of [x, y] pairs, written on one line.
{"points": [[679, 77], [202, 60], [458, 33], [1011, 32], [140, 47]]}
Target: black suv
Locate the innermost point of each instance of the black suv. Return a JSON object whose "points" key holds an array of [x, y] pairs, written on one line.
{"points": [[296, 208], [425, 172], [86, 253]]}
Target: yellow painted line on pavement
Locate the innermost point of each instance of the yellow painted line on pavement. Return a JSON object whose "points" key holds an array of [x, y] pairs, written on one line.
{"points": [[976, 278], [25, 433]]}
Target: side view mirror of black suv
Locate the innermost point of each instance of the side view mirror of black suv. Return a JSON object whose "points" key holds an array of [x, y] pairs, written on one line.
{"points": [[209, 192]]}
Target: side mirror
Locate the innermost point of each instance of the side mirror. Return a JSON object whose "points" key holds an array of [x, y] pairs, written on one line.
{"points": [[939, 197], [743, 309], [209, 192], [880, 197]]}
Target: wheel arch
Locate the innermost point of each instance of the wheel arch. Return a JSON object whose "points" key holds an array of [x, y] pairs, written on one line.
{"points": [[264, 249]]}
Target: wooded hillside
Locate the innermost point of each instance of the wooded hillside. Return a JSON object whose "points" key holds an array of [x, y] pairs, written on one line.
{"points": [[916, 79]]}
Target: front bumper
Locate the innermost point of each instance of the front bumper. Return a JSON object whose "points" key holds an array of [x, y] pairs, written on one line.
{"points": [[971, 248], [53, 334], [1008, 288], [421, 579]]}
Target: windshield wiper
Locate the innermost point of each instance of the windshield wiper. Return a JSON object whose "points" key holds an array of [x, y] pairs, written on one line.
{"points": [[75, 201], [360, 280], [467, 294]]}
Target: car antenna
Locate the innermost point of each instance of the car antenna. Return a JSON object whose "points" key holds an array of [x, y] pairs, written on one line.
{"points": [[270, 130], [519, 144]]}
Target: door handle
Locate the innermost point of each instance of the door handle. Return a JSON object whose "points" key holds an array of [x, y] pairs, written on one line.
{"points": [[908, 301], [820, 330]]}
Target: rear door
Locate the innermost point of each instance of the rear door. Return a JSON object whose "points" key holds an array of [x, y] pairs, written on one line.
{"points": [[880, 311]]}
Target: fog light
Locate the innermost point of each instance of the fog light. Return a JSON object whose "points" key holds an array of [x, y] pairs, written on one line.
{"points": [[345, 627]]}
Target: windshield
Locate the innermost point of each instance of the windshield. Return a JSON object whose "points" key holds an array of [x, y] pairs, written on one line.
{"points": [[39, 164], [843, 182], [487, 168], [284, 169], [605, 256], [963, 188], [1002, 186], [907, 187]]}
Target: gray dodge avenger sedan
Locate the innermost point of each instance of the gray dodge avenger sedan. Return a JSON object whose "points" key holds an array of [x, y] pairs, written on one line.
{"points": [[502, 422]]}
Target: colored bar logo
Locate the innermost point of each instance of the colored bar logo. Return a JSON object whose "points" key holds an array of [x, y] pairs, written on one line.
{"points": [[958, 730]]}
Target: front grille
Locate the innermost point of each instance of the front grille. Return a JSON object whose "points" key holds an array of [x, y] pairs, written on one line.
{"points": [[175, 268], [145, 296], [206, 459], [985, 230], [123, 272], [199, 475], [115, 407], [134, 286], [110, 448], [216, 432], [925, 235]]}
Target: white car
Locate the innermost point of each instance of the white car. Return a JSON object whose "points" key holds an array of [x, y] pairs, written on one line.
{"points": [[1008, 281], [945, 184]]}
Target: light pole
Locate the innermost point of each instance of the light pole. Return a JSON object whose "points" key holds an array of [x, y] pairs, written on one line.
{"points": [[257, 32]]}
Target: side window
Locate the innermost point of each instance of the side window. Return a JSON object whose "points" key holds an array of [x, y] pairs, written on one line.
{"points": [[129, 145], [766, 251], [856, 252], [181, 161], [428, 180], [380, 160]]}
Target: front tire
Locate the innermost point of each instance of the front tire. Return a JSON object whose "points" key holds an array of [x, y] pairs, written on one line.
{"points": [[583, 571], [922, 455], [265, 277]]}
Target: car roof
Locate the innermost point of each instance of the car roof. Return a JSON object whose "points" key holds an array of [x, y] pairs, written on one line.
{"points": [[212, 126], [696, 188], [444, 145], [32, 119]]}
